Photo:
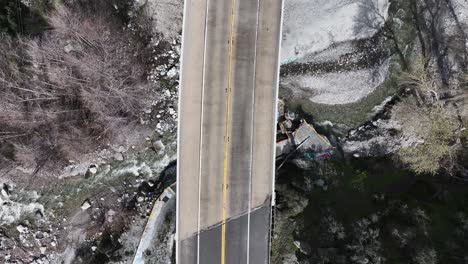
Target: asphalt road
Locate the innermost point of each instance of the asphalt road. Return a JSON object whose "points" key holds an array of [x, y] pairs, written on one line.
{"points": [[227, 117]]}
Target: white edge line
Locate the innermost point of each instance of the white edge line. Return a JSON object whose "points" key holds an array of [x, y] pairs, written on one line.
{"points": [[177, 235], [201, 130], [177, 238], [276, 100], [273, 196], [276, 103], [252, 131]]}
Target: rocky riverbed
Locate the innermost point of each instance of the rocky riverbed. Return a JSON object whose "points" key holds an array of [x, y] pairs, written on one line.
{"points": [[335, 60], [93, 208], [380, 199], [342, 74]]}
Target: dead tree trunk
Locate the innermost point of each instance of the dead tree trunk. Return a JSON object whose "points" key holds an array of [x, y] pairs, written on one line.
{"points": [[438, 47], [415, 11]]}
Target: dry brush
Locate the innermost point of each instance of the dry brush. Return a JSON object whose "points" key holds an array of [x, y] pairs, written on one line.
{"points": [[70, 89]]}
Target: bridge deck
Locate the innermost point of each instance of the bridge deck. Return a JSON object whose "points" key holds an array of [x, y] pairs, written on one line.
{"points": [[229, 81]]}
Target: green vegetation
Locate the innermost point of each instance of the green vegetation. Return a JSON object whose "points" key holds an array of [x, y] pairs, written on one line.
{"points": [[168, 84], [352, 114], [358, 182], [10, 12], [283, 242], [417, 77], [438, 138], [396, 216], [410, 207], [16, 18], [428, 121], [398, 35]]}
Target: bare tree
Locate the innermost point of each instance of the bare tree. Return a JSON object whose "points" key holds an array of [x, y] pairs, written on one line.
{"points": [[433, 10], [76, 85], [372, 17], [417, 20]]}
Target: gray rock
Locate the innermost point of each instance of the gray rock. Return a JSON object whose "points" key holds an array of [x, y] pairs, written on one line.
{"points": [[118, 156], [304, 247], [320, 182], [68, 48], [22, 229], [92, 170], [85, 205], [290, 259]]}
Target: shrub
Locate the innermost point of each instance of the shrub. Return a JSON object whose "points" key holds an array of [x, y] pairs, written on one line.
{"points": [[76, 86], [436, 129], [417, 77]]}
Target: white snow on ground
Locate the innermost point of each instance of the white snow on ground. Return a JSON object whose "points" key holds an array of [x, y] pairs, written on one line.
{"points": [[313, 25], [461, 10], [135, 169], [166, 16], [381, 106], [340, 87], [12, 211], [142, 169]]}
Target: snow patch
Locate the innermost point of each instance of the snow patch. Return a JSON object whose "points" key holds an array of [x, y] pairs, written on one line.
{"points": [[461, 10], [314, 25], [340, 87], [380, 107], [12, 211]]}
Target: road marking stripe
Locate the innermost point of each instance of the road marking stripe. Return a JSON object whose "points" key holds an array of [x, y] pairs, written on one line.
{"points": [[226, 138], [179, 108], [273, 168], [252, 131], [201, 130]]}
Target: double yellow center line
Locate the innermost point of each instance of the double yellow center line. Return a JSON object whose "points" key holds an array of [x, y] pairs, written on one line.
{"points": [[226, 136]]}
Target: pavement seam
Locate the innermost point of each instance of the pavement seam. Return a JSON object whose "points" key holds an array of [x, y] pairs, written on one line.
{"points": [[231, 219]]}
